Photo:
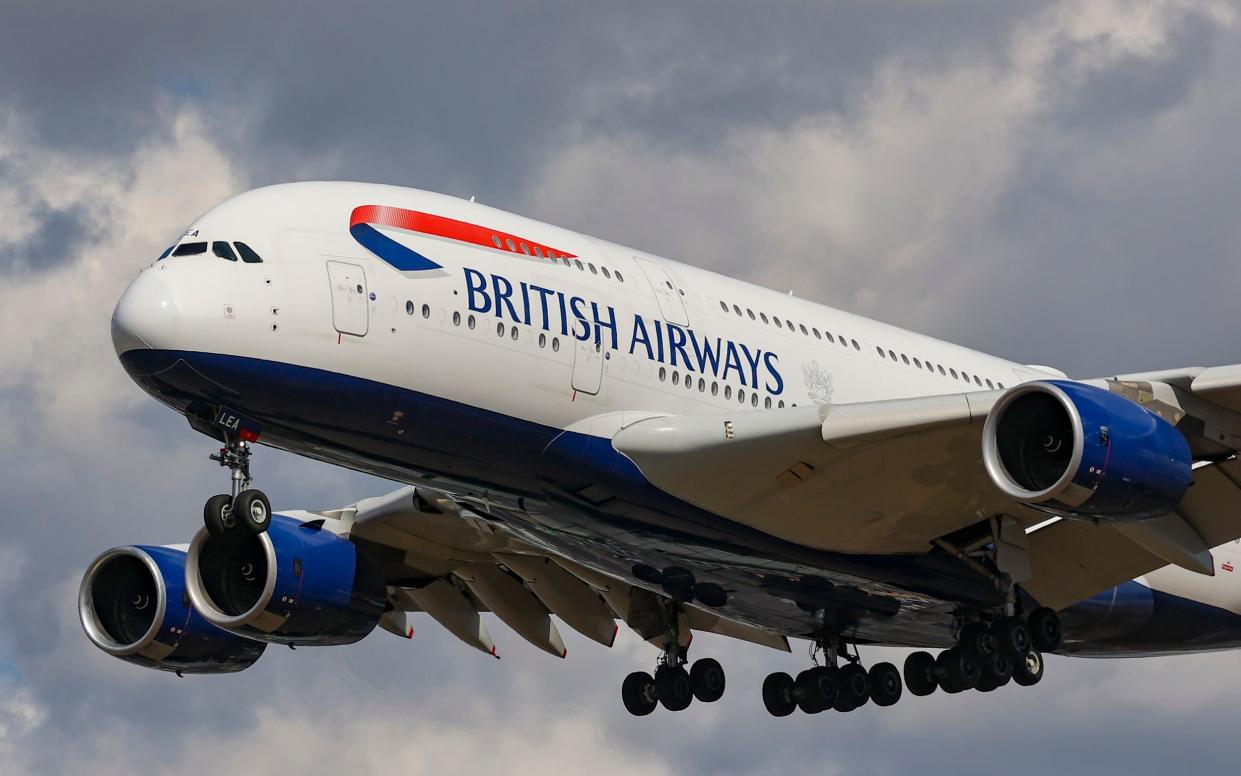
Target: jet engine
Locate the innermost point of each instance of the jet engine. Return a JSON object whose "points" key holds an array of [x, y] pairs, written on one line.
{"points": [[133, 605], [296, 583], [1078, 451]]}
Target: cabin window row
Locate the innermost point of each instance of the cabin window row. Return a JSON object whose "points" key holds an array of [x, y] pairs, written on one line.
{"points": [[517, 246], [785, 323], [674, 376], [930, 367]]}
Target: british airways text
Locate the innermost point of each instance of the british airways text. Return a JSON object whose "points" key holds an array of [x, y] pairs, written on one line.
{"points": [[657, 340]]}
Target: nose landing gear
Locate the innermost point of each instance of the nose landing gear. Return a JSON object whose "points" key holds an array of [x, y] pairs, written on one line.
{"points": [[246, 507]]}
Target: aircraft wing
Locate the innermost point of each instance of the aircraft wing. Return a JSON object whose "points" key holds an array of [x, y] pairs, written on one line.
{"points": [[450, 561], [901, 476], [876, 477]]}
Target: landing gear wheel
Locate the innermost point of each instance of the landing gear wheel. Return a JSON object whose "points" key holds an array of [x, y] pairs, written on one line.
{"points": [[1001, 669], [920, 673], [1028, 671], [673, 689], [218, 515], [808, 690], [996, 672], [1045, 632], [778, 694], [977, 641], [638, 694], [854, 688], [252, 510], [885, 684], [958, 670], [706, 678], [1013, 636]]}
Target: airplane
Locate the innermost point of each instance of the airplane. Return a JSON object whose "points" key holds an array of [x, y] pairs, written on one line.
{"points": [[592, 433]]}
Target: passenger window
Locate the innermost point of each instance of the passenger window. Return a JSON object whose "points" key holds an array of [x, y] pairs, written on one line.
{"points": [[514, 334], [855, 345], [754, 399], [892, 355], [499, 329], [829, 336], [953, 372], [577, 264], [606, 274], [221, 249], [941, 369], [593, 271], [663, 374], [740, 396], [512, 246], [190, 249], [542, 340], [880, 351], [728, 392], [905, 358], [724, 306], [917, 363], [538, 252], [764, 317], [776, 321], [816, 334], [737, 310], [767, 403], [990, 385], [676, 377], [715, 388], [409, 308], [470, 321], [555, 344], [804, 333], [247, 254], [977, 381], [456, 318], [619, 278], [426, 311], [495, 240]]}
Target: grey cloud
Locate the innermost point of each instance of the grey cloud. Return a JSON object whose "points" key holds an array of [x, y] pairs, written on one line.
{"points": [[59, 233]]}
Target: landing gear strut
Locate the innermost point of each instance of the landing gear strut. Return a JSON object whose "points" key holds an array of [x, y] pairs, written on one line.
{"points": [[673, 686], [245, 507]]}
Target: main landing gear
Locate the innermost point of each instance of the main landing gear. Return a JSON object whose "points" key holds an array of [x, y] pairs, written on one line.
{"points": [[988, 656], [246, 508], [673, 686], [822, 687]]}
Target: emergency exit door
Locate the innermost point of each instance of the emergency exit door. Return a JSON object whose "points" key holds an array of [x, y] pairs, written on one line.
{"points": [[350, 306]]}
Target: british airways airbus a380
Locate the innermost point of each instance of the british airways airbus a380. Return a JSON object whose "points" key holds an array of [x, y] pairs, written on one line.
{"points": [[588, 431]]}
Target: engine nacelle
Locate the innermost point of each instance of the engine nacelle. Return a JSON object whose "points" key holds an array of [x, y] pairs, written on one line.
{"points": [[296, 583], [1075, 450], [133, 605]]}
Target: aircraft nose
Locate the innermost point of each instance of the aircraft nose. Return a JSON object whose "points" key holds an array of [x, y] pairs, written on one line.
{"points": [[146, 315]]}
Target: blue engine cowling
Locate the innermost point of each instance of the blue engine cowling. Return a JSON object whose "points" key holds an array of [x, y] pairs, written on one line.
{"points": [[133, 605], [296, 583], [1078, 451]]}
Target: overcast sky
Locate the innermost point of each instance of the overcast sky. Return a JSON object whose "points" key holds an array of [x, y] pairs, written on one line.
{"points": [[1055, 183]]}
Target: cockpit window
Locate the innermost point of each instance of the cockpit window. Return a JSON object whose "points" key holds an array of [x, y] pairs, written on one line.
{"points": [[167, 252], [247, 254], [190, 249], [221, 249]]}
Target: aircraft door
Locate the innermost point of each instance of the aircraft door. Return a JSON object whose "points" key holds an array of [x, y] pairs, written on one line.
{"points": [[671, 306], [350, 308], [588, 358]]}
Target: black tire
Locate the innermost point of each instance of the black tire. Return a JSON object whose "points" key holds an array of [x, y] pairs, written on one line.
{"points": [[920, 673], [885, 684], [217, 515], [1028, 671], [986, 682], [806, 691], [672, 687], [706, 679], [1013, 636], [1001, 668], [253, 511], [638, 694], [854, 688], [1046, 635], [957, 670], [977, 641], [778, 694]]}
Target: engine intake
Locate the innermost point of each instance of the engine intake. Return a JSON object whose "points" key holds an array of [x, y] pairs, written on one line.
{"points": [[296, 583], [1079, 451], [133, 605]]}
